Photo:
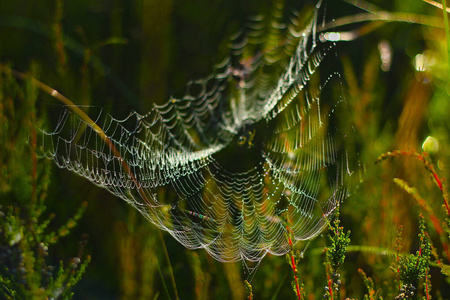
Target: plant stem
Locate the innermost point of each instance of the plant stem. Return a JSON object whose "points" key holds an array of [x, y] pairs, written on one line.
{"points": [[427, 292], [162, 280], [166, 254], [447, 32], [293, 264]]}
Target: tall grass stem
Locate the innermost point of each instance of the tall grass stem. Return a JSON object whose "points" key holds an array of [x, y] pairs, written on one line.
{"points": [[447, 32]]}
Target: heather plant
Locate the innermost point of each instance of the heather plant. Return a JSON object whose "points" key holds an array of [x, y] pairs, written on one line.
{"points": [[293, 260], [411, 268], [26, 233], [335, 256]]}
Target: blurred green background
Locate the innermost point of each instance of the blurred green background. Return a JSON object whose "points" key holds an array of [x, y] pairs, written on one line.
{"points": [[127, 55]]}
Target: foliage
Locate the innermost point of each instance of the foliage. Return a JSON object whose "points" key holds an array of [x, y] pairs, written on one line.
{"points": [[26, 270], [248, 287], [339, 241], [293, 260], [129, 55], [335, 256], [368, 282], [411, 268]]}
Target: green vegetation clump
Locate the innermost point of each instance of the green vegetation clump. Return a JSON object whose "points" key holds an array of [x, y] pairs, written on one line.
{"points": [[390, 239], [27, 270]]}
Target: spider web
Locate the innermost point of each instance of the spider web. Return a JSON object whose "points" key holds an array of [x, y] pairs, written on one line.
{"points": [[246, 152]]}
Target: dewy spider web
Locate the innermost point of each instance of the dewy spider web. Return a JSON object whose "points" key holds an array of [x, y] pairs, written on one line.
{"points": [[247, 149]]}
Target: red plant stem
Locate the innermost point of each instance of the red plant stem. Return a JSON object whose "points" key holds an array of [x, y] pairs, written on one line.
{"points": [[294, 268], [427, 165], [418, 257], [434, 219], [427, 292], [293, 265], [439, 183], [330, 285], [438, 180]]}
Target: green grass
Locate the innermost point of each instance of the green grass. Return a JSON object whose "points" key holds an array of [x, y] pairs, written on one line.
{"points": [[447, 31], [100, 56]]}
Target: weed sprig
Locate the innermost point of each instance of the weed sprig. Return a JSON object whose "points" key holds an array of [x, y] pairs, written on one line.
{"points": [[424, 158], [411, 268], [293, 260], [26, 271], [335, 256]]}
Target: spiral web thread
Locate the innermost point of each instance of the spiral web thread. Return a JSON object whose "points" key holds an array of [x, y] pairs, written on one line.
{"points": [[247, 150]]}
